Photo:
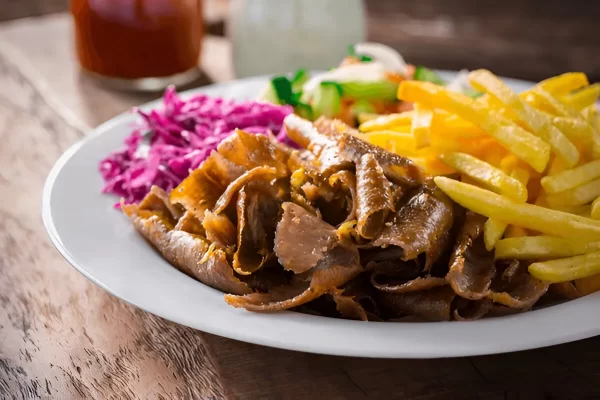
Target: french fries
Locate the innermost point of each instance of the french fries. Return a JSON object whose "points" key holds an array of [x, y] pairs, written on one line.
{"points": [[493, 230], [514, 231], [523, 144], [487, 175], [577, 130], [567, 269], [528, 216], [538, 122], [385, 122], [401, 143], [582, 98], [421, 125], [595, 211], [511, 150], [564, 84], [364, 117], [571, 178], [575, 197], [543, 247]]}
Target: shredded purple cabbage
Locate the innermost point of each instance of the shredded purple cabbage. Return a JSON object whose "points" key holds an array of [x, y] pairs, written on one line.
{"points": [[169, 143]]}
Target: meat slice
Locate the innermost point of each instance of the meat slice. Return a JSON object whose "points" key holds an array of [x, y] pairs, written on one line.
{"points": [[374, 195], [517, 288], [472, 267], [398, 169], [421, 226], [432, 305], [257, 217], [413, 285], [302, 239], [346, 181], [219, 229], [253, 150], [310, 248], [338, 266], [324, 146], [265, 174], [191, 254], [203, 187]]}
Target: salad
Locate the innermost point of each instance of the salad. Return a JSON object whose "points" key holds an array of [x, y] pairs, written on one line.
{"points": [[365, 83]]}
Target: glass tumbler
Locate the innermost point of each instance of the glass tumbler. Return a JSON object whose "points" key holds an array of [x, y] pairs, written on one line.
{"points": [[139, 44]]}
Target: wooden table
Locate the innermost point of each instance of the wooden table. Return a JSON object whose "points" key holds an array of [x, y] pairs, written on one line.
{"points": [[62, 337]]}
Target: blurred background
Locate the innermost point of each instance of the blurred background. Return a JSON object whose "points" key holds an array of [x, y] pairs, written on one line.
{"points": [[529, 39]]}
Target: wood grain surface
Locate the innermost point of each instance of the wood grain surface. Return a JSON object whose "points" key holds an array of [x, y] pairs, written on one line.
{"points": [[61, 337], [528, 39]]}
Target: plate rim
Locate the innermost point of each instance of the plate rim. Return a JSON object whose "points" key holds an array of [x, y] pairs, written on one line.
{"points": [[46, 212]]}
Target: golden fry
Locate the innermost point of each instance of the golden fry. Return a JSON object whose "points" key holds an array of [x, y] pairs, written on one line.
{"points": [[421, 125], [567, 269], [432, 166], [385, 122], [543, 247], [565, 83], [563, 110], [487, 175], [454, 127], [523, 144], [528, 216], [580, 195], [521, 174], [514, 231], [403, 142], [536, 121], [493, 230], [583, 210], [571, 178], [544, 97], [364, 117], [582, 98], [595, 212], [577, 130]]}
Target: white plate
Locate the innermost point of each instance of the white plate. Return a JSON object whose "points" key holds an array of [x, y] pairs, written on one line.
{"points": [[101, 243]]}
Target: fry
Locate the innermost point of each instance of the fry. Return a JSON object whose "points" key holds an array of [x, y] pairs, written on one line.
{"points": [[582, 98], [542, 247], [583, 210], [576, 130], [450, 127], [364, 117], [528, 216], [514, 231], [536, 121], [563, 84], [385, 122], [493, 103], [432, 166], [421, 125], [575, 197], [390, 139], [543, 97], [486, 174], [521, 174], [590, 114], [567, 269], [523, 144], [493, 230], [571, 178], [595, 213]]}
